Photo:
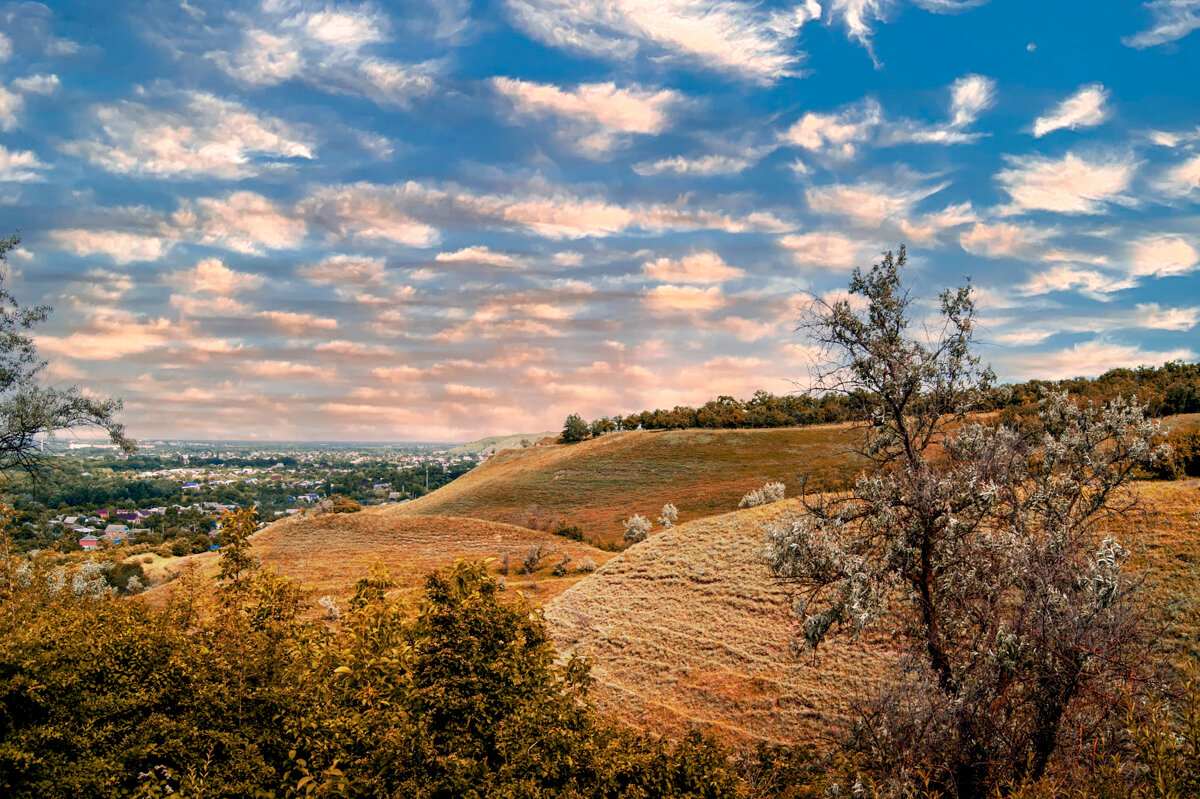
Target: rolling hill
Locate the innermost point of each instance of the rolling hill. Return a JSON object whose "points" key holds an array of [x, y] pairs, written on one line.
{"points": [[597, 483], [687, 629], [328, 553]]}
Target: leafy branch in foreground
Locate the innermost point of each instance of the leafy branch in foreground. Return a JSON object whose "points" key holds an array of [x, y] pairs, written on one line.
{"points": [[980, 545], [29, 409]]}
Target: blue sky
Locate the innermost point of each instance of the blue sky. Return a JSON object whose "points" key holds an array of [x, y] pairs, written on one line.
{"points": [[440, 220]]}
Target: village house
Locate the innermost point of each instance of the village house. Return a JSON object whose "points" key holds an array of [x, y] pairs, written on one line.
{"points": [[89, 541]]}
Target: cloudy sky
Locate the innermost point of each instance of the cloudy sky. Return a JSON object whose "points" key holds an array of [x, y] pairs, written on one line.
{"points": [[439, 220]]}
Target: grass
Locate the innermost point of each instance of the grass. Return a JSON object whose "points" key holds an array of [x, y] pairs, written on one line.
{"points": [[600, 482], [687, 629], [328, 553]]}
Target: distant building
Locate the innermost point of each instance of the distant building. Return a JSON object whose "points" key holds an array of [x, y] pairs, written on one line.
{"points": [[89, 541], [116, 528]]}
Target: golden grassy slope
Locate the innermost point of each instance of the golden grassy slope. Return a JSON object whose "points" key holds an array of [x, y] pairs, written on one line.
{"points": [[328, 553], [687, 629], [597, 483]]}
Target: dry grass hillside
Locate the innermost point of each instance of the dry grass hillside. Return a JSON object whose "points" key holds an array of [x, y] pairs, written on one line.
{"points": [[686, 629], [328, 553], [597, 483]]}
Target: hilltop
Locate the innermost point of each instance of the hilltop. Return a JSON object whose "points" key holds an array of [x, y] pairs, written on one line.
{"points": [[597, 483]]}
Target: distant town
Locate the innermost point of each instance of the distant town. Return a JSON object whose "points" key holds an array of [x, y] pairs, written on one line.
{"points": [[90, 496]]}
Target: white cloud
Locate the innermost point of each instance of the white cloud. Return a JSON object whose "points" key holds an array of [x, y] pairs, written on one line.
{"points": [[868, 204], [599, 116], [749, 329], [242, 221], [1001, 240], [698, 267], [970, 96], [19, 166], [547, 210], [824, 249], [191, 306], [328, 49], [1152, 315], [700, 166], [1084, 109], [211, 276], [108, 334], [683, 298], [36, 84], [1089, 359], [1173, 19], [1181, 180], [1093, 283], [731, 36], [286, 370], [1163, 256], [5, 47], [298, 324], [838, 134], [121, 246], [859, 15], [371, 211], [478, 255], [338, 270], [206, 137], [11, 105], [842, 134], [1069, 185]]}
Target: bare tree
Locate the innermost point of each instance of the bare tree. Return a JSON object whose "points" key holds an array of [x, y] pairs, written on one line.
{"points": [[979, 545]]}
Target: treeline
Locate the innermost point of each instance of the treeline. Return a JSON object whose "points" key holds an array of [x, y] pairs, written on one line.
{"points": [[1166, 390]]}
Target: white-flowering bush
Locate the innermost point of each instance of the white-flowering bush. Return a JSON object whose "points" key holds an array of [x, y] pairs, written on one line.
{"points": [[586, 565], [332, 611], [981, 550], [637, 527], [771, 492], [89, 581], [56, 580], [133, 585], [669, 516]]}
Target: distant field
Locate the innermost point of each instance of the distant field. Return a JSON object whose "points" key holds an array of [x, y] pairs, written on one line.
{"points": [[687, 629], [328, 553], [597, 483]]}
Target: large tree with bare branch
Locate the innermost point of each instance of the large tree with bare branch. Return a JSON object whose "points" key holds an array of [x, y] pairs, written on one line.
{"points": [[30, 409], [979, 544]]}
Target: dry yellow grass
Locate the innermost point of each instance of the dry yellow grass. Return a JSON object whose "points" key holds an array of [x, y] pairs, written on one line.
{"points": [[597, 483], [688, 629], [328, 553]]}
